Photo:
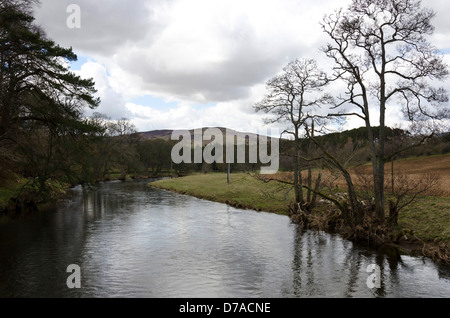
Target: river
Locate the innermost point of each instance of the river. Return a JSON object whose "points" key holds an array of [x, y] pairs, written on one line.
{"points": [[130, 240]]}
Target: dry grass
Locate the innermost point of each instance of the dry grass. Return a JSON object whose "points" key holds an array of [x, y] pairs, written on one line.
{"points": [[414, 168]]}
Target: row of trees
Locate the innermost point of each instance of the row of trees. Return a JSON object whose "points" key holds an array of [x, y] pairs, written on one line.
{"points": [[44, 137], [42, 132], [380, 53]]}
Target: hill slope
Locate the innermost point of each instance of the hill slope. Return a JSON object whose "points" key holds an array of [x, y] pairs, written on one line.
{"points": [[167, 133]]}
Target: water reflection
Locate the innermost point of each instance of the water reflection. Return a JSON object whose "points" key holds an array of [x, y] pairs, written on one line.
{"points": [[131, 241], [326, 265]]}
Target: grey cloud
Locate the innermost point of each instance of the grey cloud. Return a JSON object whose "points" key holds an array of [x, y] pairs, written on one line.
{"points": [[105, 25], [126, 33], [128, 30], [228, 81], [247, 63]]}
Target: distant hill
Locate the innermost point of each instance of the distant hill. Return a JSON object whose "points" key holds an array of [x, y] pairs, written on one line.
{"points": [[166, 134], [341, 137], [156, 134], [358, 138]]}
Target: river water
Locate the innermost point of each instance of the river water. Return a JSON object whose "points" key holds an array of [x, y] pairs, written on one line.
{"points": [[133, 241]]}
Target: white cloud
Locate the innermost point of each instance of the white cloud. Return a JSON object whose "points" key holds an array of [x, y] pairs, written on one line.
{"points": [[196, 52], [234, 115], [112, 103], [441, 36]]}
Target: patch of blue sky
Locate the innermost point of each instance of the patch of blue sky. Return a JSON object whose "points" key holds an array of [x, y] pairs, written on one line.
{"points": [[204, 106], [444, 51], [161, 104], [76, 65], [153, 102]]}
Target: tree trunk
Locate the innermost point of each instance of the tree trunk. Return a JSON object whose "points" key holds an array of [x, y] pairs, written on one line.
{"points": [[379, 205], [297, 172], [316, 189], [308, 199], [392, 175], [374, 154]]}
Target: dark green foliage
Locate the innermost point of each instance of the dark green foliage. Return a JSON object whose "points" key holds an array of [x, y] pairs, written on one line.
{"points": [[42, 133]]}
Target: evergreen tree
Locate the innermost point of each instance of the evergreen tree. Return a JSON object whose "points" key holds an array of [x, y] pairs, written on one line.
{"points": [[41, 100]]}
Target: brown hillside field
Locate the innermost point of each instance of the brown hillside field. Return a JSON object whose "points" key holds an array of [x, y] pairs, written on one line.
{"points": [[414, 168]]}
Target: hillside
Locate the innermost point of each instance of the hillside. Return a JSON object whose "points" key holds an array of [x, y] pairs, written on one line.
{"points": [[167, 133], [350, 146], [156, 134], [358, 138]]}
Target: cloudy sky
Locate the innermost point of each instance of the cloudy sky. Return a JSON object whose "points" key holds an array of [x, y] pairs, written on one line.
{"points": [[182, 64]]}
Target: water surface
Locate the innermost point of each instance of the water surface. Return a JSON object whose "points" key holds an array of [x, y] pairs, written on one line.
{"points": [[133, 241]]}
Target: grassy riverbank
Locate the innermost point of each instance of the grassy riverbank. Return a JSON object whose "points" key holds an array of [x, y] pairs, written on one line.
{"points": [[427, 220], [243, 191]]}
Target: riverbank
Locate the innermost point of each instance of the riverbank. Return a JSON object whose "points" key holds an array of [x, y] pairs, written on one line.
{"points": [[424, 228], [18, 197], [243, 191]]}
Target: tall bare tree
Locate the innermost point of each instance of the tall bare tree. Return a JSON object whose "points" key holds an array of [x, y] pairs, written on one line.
{"points": [[380, 50], [293, 98]]}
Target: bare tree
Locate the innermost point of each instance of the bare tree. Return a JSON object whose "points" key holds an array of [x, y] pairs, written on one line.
{"points": [[380, 51], [293, 98]]}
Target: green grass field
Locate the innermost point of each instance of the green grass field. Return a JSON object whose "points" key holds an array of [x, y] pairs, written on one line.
{"points": [[243, 190], [429, 217]]}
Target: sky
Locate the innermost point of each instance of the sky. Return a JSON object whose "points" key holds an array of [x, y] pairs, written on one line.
{"points": [[184, 64]]}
